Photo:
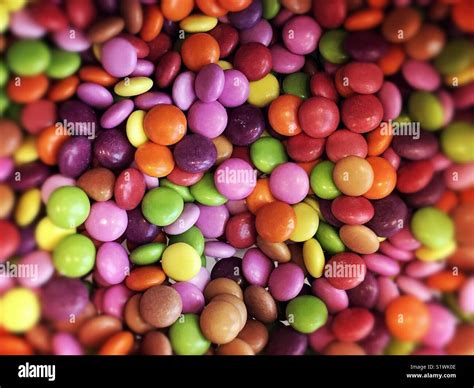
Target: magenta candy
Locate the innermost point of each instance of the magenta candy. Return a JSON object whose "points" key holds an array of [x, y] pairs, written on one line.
{"points": [[148, 100], [235, 179], [209, 83], [23, 25], [420, 269], [447, 103], [95, 95], [388, 291], [466, 296], [183, 90], [114, 300], [335, 299], [106, 221], [289, 183], [286, 281], [421, 75], [207, 119], [261, 32], [43, 267], [256, 267], [395, 253], [185, 221], [71, 39], [381, 264], [212, 220], [301, 35], [118, 57], [52, 183], [219, 250], [404, 239], [414, 287], [6, 168], [144, 68], [112, 262], [65, 344], [236, 89], [202, 278], [116, 114], [391, 100], [321, 338], [459, 176], [442, 327], [191, 297], [284, 61]]}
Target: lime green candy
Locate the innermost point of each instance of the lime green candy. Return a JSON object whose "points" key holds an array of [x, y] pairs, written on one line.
{"points": [[203, 260], [426, 109], [457, 142], [306, 313], [400, 348], [297, 84], [68, 207], [28, 57], [205, 192], [183, 191], [3, 73], [63, 64], [162, 206], [74, 256], [4, 102], [186, 336], [329, 239], [270, 8], [147, 254], [432, 227], [193, 236], [455, 57], [267, 153], [321, 181], [331, 46]]}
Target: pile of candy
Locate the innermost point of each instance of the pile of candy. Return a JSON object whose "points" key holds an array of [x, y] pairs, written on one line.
{"points": [[237, 177]]}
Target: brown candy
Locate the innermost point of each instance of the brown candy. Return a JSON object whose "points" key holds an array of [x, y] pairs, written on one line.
{"points": [[161, 306], [72, 326], [98, 184], [97, 330], [427, 43], [39, 337], [106, 29], [463, 217], [296, 251], [222, 286], [132, 316], [220, 322], [275, 251], [11, 137], [237, 347], [260, 304], [224, 148], [131, 11], [255, 334], [401, 24], [156, 343], [359, 238], [237, 303]]}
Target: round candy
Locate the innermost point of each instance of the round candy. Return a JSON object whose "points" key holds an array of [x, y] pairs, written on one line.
{"points": [[160, 306], [195, 153], [353, 175], [318, 116], [28, 57], [322, 182], [74, 256], [235, 179], [186, 336], [68, 207], [162, 206], [432, 227], [181, 262], [289, 183], [106, 221], [306, 313], [276, 221], [165, 124], [407, 318], [119, 57]]}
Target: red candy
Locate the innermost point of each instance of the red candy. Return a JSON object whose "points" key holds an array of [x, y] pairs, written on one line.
{"points": [[318, 116], [254, 60], [362, 113]]}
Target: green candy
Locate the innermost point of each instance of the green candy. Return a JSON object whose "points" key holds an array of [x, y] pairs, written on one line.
{"points": [[270, 8], [432, 227], [297, 84], [267, 153], [147, 254], [306, 313], [457, 142], [186, 336], [63, 64], [331, 46], [205, 192], [329, 239], [74, 256], [455, 57], [183, 191], [400, 348], [321, 181], [68, 207], [162, 206], [4, 102], [426, 108], [3, 73], [28, 57], [193, 236], [203, 260]]}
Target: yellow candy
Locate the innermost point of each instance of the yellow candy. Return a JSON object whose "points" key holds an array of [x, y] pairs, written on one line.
{"points": [[400, 348], [263, 91], [181, 262], [14, 5], [428, 254], [462, 78], [315, 205], [26, 152], [21, 310], [225, 65], [48, 235], [1, 312], [198, 23], [28, 207], [97, 51], [307, 222], [135, 133], [129, 87], [313, 257], [4, 18]]}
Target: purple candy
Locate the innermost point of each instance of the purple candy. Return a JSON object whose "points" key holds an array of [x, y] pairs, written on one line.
{"points": [[289, 183], [286, 281], [256, 267], [74, 156], [71, 39], [207, 119], [368, 46], [212, 220], [391, 100], [113, 150], [65, 344], [390, 216], [366, 293], [442, 327], [219, 250], [118, 57], [230, 267], [185, 221], [112, 262], [235, 179], [45, 268], [201, 279], [195, 153], [144, 68], [236, 89], [245, 125], [28, 240], [32, 175], [148, 100], [114, 300], [23, 25], [209, 83], [106, 221], [95, 95], [284, 61], [191, 297], [301, 35], [335, 299], [429, 195], [116, 114], [424, 147], [183, 90], [139, 230], [248, 17], [414, 287], [79, 116], [261, 32], [63, 297], [285, 341], [377, 339]]}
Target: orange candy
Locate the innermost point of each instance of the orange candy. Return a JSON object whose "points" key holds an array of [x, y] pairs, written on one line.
{"points": [[378, 141], [261, 195], [142, 278], [199, 50], [119, 344], [407, 318], [297, 6], [14, 346], [96, 75], [165, 124], [152, 23], [447, 202], [283, 114], [23, 90], [385, 178], [176, 10], [234, 5], [445, 281], [364, 19], [275, 221], [63, 89], [49, 143], [211, 8], [154, 159], [393, 59]]}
